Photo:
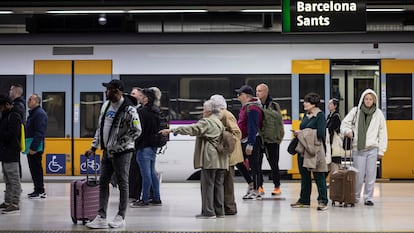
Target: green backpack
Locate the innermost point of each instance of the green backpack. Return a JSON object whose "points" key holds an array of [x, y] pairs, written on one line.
{"points": [[272, 130]]}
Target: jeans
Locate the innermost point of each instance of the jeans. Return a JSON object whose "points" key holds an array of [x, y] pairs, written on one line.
{"points": [[12, 181], [36, 170], [119, 165], [146, 159]]}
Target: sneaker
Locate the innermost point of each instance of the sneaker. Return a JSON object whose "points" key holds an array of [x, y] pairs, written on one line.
{"points": [[200, 216], [98, 223], [248, 194], [276, 191], [322, 206], [117, 222], [11, 209], [261, 190], [299, 205], [369, 203], [29, 194], [4, 205], [156, 202], [139, 204], [38, 195], [253, 195]]}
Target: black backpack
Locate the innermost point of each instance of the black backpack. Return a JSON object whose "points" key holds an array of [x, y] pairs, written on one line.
{"points": [[159, 140]]}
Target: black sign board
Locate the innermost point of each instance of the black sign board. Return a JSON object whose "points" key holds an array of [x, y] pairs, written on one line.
{"points": [[324, 16]]}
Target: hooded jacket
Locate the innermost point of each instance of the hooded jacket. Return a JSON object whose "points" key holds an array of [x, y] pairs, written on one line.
{"points": [[250, 120], [377, 130], [125, 128]]}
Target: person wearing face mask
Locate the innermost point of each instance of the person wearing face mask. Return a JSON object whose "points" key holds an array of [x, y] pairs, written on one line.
{"points": [[366, 125]]}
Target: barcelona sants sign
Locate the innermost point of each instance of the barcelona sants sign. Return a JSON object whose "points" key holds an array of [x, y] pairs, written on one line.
{"points": [[303, 16]]}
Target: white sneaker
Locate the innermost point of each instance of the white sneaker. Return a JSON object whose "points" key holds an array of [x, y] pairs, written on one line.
{"points": [[117, 222], [98, 223]]}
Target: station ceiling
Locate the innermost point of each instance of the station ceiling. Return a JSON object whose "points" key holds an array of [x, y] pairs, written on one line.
{"points": [[24, 16]]}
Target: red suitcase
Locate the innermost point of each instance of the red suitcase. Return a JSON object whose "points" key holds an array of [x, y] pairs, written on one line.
{"points": [[342, 184], [84, 199]]}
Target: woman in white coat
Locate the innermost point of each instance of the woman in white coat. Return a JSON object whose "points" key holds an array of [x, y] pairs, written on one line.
{"points": [[366, 125]]}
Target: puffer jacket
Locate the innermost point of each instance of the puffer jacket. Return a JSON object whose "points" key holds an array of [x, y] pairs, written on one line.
{"points": [[123, 132], [377, 130], [205, 154]]}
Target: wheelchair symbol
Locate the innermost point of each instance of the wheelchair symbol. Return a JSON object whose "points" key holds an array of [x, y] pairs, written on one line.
{"points": [[91, 164], [54, 166]]}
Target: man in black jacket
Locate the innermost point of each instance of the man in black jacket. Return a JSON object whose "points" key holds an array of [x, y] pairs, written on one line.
{"points": [[10, 125]]}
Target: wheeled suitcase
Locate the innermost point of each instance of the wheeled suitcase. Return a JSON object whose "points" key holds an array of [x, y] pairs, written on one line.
{"points": [[84, 198], [342, 185]]}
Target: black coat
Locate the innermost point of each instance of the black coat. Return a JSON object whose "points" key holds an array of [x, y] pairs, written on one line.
{"points": [[10, 133], [149, 117]]}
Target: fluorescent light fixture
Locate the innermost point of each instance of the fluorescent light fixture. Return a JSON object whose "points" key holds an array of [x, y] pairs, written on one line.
{"points": [[166, 11], [86, 12], [385, 9], [6, 12], [261, 10]]}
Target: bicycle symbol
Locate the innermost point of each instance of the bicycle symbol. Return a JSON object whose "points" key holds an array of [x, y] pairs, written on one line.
{"points": [[91, 164], [54, 166]]}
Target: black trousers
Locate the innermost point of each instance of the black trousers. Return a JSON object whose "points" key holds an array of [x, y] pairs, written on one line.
{"points": [[271, 150], [36, 170]]}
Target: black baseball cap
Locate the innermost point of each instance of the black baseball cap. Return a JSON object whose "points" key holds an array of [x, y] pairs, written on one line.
{"points": [[245, 89], [114, 84]]}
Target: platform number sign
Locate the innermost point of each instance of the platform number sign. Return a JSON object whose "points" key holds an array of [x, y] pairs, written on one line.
{"points": [[55, 164], [90, 165]]}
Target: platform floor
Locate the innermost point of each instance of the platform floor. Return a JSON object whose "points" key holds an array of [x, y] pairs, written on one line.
{"points": [[393, 212]]}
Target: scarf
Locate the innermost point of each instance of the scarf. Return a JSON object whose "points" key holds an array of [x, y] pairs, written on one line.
{"points": [[365, 118]]}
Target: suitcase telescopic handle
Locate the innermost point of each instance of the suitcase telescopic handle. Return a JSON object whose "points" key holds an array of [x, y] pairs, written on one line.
{"points": [[348, 140], [94, 168]]}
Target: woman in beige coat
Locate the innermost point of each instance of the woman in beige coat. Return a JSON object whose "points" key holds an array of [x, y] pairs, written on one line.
{"points": [[230, 124], [213, 166]]}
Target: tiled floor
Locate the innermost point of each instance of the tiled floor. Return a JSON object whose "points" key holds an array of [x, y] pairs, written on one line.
{"points": [[393, 211]]}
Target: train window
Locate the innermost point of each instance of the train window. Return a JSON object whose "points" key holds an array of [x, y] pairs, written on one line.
{"points": [[90, 105], [54, 105], [8, 80], [399, 96], [311, 83]]}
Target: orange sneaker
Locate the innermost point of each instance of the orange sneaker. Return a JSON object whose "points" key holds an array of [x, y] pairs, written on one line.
{"points": [[261, 190], [276, 191]]}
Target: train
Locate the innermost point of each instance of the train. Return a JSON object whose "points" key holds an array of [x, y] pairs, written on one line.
{"points": [[70, 85]]}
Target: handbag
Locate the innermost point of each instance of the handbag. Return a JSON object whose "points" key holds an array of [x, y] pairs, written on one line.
{"points": [[337, 145], [292, 146]]}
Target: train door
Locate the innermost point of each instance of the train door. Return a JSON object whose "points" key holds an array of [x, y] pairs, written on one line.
{"points": [[349, 78], [72, 95], [307, 76]]}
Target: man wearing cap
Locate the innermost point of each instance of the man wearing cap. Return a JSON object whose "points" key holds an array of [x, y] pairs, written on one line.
{"points": [[249, 122], [118, 127], [10, 155]]}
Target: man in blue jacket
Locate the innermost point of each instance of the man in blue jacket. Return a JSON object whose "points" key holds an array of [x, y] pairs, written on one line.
{"points": [[35, 132]]}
